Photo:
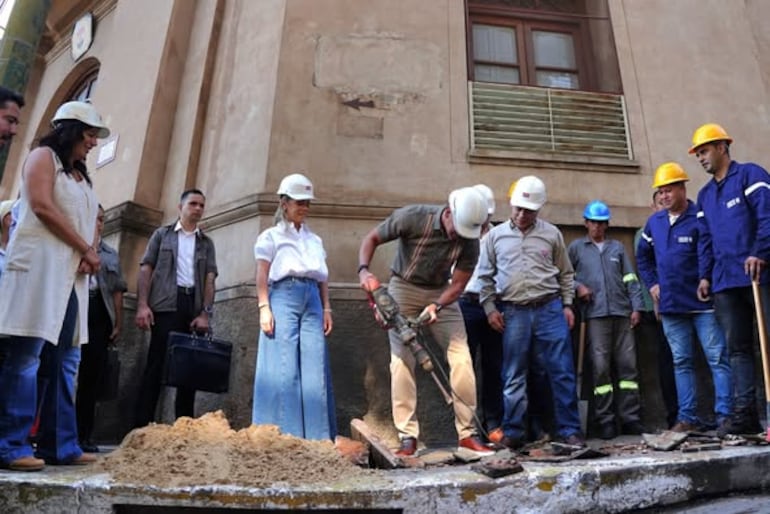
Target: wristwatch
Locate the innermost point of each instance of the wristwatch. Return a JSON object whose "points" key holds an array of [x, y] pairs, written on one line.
{"points": [[208, 309]]}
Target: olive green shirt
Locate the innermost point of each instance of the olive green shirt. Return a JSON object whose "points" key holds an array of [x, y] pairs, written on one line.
{"points": [[425, 253]]}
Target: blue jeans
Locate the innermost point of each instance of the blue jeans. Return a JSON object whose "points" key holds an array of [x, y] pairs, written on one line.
{"points": [[292, 384], [735, 311], [538, 335], [18, 395], [32, 369], [680, 330]]}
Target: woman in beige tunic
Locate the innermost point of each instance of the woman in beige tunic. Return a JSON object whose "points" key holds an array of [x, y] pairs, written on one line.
{"points": [[44, 292]]}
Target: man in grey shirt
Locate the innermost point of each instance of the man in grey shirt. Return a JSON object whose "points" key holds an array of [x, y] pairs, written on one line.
{"points": [[431, 240], [526, 260], [607, 284]]}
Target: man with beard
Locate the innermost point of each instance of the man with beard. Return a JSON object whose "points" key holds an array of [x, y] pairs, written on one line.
{"points": [[734, 209]]}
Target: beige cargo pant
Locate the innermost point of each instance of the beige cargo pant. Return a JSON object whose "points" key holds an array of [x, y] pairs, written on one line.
{"points": [[449, 332]]}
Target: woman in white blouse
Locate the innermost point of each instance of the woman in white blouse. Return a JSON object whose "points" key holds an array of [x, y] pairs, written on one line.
{"points": [[292, 386]]}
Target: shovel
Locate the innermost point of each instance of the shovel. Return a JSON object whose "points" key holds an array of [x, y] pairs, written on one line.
{"points": [[582, 404], [762, 328]]}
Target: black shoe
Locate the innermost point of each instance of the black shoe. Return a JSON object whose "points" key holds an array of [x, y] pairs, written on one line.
{"points": [[607, 431], [513, 443], [408, 447], [740, 422], [634, 428], [89, 447]]}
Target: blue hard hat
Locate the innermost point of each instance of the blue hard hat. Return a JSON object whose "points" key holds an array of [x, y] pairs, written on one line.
{"points": [[597, 211]]}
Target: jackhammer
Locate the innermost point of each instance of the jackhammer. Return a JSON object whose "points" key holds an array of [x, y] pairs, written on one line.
{"points": [[389, 316]]}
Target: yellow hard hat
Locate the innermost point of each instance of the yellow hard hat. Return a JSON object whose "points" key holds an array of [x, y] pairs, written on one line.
{"points": [[708, 133], [669, 173], [510, 189]]}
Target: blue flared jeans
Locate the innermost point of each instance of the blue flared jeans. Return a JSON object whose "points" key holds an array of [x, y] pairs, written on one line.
{"points": [[292, 384], [680, 331], [35, 372]]}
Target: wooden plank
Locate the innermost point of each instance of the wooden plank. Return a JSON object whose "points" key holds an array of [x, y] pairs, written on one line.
{"points": [[380, 454]]}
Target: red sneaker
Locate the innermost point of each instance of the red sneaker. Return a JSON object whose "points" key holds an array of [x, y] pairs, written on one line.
{"points": [[408, 447], [473, 444]]}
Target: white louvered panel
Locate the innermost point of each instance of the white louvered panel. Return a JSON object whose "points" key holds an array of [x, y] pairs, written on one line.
{"points": [[509, 117]]}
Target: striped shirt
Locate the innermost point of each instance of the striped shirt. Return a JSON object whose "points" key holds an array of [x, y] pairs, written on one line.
{"points": [[425, 253]]}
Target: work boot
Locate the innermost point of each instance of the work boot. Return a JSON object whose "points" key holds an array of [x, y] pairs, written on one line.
{"points": [[607, 431], [684, 427], [408, 447], [512, 443], [634, 428], [473, 444], [28, 463], [741, 422]]}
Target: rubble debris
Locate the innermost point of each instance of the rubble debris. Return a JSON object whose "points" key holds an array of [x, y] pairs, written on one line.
{"points": [[665, 441], [206, 451], [380, 454], [501, 464], [689, 447], [561, 452], [466, 455]]}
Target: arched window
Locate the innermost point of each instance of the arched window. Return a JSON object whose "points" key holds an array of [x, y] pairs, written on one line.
{"points": [[84, 89]]}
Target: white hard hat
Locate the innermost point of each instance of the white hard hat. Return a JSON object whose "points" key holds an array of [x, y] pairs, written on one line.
{"points": [[297, 187], [529, 193], [469, 211], [81, 111], [488, 195]]}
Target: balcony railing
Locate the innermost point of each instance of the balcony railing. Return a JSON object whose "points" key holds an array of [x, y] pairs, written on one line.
{"points": [[534, 119]]}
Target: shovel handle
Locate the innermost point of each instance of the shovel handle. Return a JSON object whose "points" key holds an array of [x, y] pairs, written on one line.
{"points": [[762, 328]]}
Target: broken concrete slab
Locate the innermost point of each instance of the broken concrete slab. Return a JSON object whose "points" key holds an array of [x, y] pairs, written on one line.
{"points": [[380, 454], [502, 464], [665, 441], [466, 455]]}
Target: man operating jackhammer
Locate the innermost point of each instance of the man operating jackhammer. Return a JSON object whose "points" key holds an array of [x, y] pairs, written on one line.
{"points": [[431, 239]]}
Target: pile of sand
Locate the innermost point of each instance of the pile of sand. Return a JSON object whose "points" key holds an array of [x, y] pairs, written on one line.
{"points": [[206, 451]]}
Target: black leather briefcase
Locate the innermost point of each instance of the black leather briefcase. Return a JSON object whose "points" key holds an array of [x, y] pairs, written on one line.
{"points": [[199, 362]]}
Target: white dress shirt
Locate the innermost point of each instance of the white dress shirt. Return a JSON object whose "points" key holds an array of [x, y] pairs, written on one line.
{"points": [[292, 253], [185, 257]]}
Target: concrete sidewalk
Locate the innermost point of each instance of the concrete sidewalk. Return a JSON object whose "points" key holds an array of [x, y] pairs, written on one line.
{"points": [[611, 484]]}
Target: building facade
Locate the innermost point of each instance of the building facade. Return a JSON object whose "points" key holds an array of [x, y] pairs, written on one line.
{"points": [[382, 104]]}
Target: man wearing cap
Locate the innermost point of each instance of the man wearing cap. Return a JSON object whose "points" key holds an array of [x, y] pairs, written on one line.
{"points": [[175, 291], [607, 285], [525, 271], [650, 332], [485, 344], [432, 239], [734, 210], [671, 267]]}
